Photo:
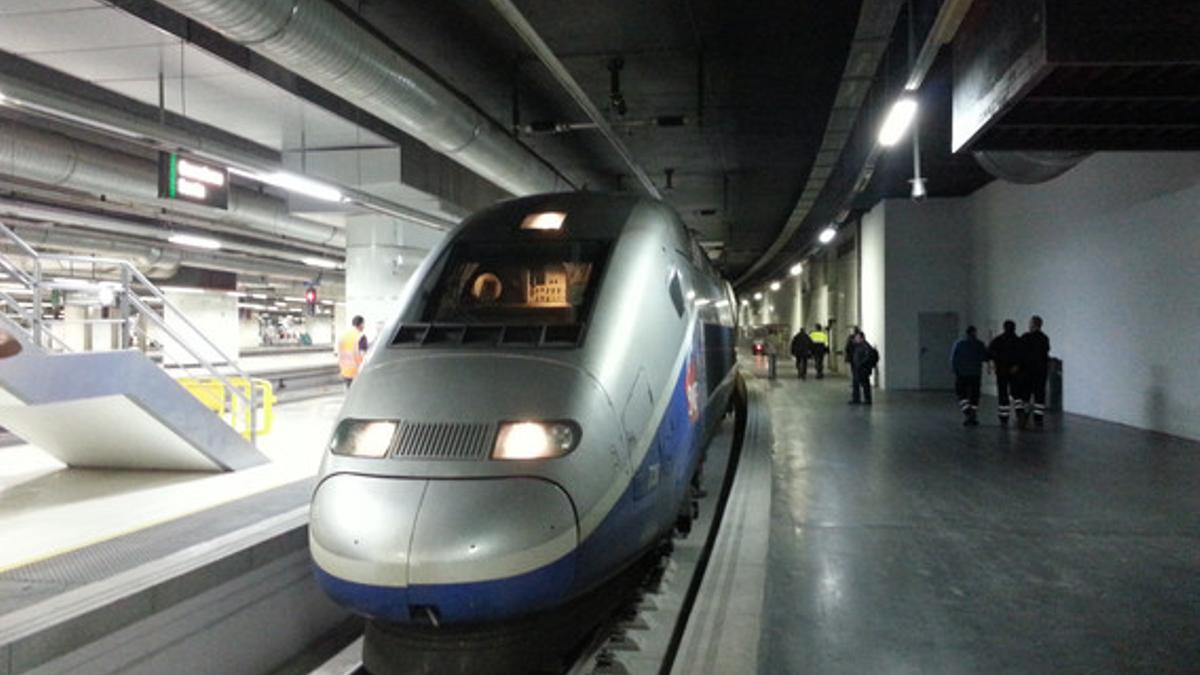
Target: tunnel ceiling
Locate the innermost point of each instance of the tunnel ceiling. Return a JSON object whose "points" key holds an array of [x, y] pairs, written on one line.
{"points": [[755, 84]]}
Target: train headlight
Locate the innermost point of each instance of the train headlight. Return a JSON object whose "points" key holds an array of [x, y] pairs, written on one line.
{"points": [[363, 438], [535, 440]]}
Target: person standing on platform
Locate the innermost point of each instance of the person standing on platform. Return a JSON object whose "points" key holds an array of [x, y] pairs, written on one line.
{"points": [[820, 341], [863, 359], [1035, 350], [351, 349], [966, 360], [801, 349], [849, 345], [771, 349], [1004, 352]]}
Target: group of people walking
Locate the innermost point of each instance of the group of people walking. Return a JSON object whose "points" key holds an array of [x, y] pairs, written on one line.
{"points": [[860, 356], [815, 346], [1021, 364]]}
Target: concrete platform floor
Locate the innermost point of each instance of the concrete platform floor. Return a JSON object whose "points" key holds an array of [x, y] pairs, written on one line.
{"points": [[47, 509], [902, 542]]}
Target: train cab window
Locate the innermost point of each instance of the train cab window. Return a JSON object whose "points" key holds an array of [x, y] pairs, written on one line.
{"points": [[548, 283]]}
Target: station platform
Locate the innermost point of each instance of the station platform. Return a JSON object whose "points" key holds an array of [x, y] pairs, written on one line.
{"points": [[901, 542], [47, 510]]}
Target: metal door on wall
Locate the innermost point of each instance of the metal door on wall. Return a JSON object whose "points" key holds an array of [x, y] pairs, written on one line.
{"points": [[936, 334]]}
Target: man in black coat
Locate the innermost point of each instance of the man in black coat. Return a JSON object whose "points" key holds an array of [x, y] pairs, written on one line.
{"points": [[863, 359], [1005, 353], [801, 349], [1035, 350]]}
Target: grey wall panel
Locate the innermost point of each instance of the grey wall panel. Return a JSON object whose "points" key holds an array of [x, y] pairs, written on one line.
{"points": [[1109, 254]]}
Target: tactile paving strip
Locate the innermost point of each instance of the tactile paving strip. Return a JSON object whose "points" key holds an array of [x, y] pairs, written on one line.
{"points": [[25, 586]]}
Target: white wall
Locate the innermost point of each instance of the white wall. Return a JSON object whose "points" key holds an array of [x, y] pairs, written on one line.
{"points": [[928, 255], [214, 313], [873, 298], [1109, 255]]}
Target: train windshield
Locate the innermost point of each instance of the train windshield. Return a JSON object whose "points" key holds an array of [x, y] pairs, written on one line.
{"points": [[517, 283]]}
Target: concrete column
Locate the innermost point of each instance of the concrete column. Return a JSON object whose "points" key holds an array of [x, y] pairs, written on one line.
{"points": [[381, 255], [214, 313]]}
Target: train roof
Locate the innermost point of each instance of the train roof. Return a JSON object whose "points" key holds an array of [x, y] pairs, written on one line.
{"points": [[586, 215]]}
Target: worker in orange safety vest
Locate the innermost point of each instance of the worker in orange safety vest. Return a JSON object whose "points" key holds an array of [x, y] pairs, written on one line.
{"points": [[351, 349]]}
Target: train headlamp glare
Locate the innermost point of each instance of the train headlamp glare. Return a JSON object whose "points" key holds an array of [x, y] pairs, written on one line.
{"points": [[363, 438], [535, 440]]}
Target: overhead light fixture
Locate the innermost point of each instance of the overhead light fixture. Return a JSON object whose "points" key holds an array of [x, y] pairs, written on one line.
{"points": [[919, 192], [291, 182], [550, 220], [320, 262], [796, 269], [758, 296], [775, 285], [195, 241], [827, 235], [899, 119]]}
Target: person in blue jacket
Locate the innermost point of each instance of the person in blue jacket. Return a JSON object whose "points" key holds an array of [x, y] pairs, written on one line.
{"points": [[966, 360]]}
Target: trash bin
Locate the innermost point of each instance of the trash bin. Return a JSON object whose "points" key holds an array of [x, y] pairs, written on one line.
{"points": [[1054, 397]]}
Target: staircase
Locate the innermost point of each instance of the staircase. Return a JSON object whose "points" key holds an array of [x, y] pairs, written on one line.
{"points": [[118, 409]]}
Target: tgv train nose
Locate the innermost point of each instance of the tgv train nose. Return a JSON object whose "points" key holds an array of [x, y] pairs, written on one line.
{"points": [[463, 549]]}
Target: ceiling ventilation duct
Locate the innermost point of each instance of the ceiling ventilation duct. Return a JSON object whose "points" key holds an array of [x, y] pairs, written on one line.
{"points": [[53, 159], [1079, 75], [317, 41], [1028, 166]]}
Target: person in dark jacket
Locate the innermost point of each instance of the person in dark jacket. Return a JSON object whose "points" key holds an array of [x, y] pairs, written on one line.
{"points": [[863, 358], [1005, 354], [849, 345], [1035, 352], [801, 351], [966, 360]]}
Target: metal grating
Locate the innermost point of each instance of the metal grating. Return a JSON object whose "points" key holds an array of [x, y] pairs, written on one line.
{"points": [[443, 440]]}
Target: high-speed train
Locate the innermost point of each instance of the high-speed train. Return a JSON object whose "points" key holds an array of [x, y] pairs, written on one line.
{"points": [[530, 423]]}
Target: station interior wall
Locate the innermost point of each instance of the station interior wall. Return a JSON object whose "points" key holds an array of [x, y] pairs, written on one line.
{"points": [[1107, 254]]}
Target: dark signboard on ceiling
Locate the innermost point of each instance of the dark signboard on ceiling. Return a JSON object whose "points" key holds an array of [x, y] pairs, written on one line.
{"points": [[191, 180]]}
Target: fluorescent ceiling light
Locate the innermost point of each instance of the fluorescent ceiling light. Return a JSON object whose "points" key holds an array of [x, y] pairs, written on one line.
{"points": [[796, 269], [195, 241], [295, 183], [758, 296], [775, 285], [827, 235], [899, 119], [320, 262]]}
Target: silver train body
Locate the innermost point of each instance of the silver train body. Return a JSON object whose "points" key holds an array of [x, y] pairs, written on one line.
{"points": [[529, 424]]}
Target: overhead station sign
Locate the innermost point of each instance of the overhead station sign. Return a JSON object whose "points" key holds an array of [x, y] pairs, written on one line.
{"points": [[192, 180]]}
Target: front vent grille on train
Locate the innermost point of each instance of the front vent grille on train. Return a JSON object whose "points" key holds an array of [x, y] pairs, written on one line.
{"points": [[487, 335], [443, 440]]}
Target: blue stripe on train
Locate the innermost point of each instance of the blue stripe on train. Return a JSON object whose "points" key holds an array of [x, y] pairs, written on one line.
{"points": [[635, 521], [458, 603]]}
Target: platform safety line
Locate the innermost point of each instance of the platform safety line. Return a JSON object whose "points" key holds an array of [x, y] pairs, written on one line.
{"points": [[77, 602], [702, 640]]}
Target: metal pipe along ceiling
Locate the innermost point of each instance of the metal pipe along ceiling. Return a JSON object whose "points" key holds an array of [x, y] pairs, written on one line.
{"points": [[161, 261], [317, 41], [53, 159]]}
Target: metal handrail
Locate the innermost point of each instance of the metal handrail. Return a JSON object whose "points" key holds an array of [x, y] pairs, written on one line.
{"points": [[30, 318], [130, 276]]}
